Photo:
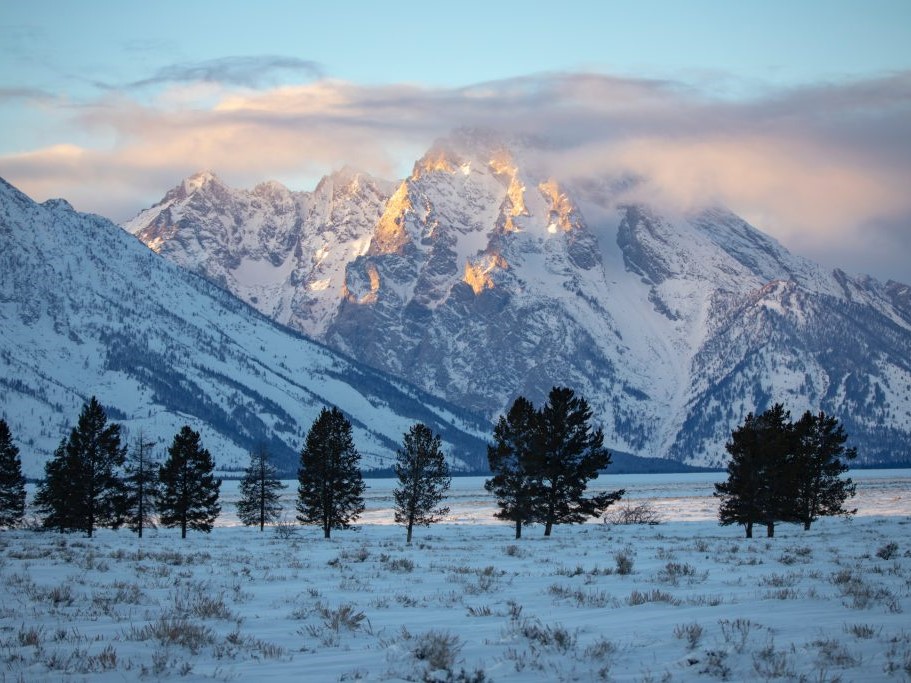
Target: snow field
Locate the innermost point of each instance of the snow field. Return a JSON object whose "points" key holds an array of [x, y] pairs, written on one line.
{"points": [[680, 601]]}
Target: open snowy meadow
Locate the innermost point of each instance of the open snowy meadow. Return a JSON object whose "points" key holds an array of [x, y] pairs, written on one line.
{"points": [[682, 600]]}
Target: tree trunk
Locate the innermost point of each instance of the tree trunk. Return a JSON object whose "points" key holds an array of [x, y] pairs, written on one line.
{"points": [[749, 530], [518, 528], [806, 525], [408, 540], [184, 501], [770, 529], [550, 518], [326, 531], [91, 512]]}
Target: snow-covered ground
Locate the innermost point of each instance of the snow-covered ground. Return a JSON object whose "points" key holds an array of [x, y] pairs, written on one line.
{"points": [[468, 602], [678, 497]]}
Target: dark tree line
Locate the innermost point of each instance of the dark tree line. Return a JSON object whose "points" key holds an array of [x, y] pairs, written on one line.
{"points": [[542, 462], [784, 471], [543, 459], [93, 481]]}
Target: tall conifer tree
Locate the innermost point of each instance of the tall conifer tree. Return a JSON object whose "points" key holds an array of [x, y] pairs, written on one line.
{"points": [[330, 486], [423, 479], [189, 489], [510, 460], [741, 494], [820, 458], [260, 491], [12, 483], [141, 482], [761, 483], [776, 443], [542, 461], [83, 488], [570, 453]]}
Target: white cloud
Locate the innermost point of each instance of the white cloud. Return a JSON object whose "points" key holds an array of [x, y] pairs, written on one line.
{"points": [[824, 168]]}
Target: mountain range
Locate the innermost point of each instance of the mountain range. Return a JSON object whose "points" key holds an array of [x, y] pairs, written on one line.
{"points": [[486, 273], [86, 309]]}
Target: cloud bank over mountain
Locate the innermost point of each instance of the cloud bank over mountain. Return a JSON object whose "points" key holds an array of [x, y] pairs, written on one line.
{"points": [[824, 167]]}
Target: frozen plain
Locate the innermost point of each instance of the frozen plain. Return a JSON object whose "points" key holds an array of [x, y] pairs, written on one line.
{"points": [[468, 602]]}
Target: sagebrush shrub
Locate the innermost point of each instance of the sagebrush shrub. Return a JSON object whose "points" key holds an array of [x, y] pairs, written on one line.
{"points": [[633, 513], [624, 560], [888, 551], [438, 649], [691, 633]]}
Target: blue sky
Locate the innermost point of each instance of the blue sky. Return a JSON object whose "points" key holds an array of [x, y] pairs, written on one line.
{"points": [[456, 44], [793, 113]]}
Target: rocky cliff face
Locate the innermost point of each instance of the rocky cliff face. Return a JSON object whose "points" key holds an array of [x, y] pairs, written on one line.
{"points": [[481, 276]]}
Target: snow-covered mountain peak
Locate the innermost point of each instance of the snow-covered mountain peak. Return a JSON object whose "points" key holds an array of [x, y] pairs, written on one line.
{"points": [[282, 251], [761, 254], [271, 188], [487, 273], [348, 174], [191, 185], [200, 180], [350, 186], [57, 204], [468, 149], [439, 159]]}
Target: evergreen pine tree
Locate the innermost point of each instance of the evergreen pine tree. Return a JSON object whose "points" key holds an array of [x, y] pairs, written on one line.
{"points": [[816, 468], [569, 454], [509, 459], [189, 489], [776, 441], [55, 499], [330, 486], [12, 483], [759, 484], [83, 489], [740, 493], [423, 479], [141, 482], [259, 491]]}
